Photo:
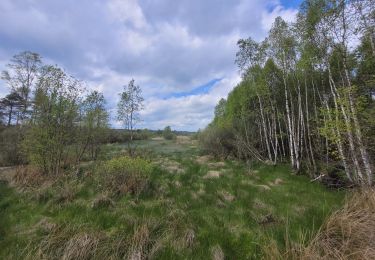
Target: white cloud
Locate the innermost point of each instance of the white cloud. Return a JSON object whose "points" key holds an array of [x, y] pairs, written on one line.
{"points": [[268, 18], [167, 46], [128, 11], [189, 112]]}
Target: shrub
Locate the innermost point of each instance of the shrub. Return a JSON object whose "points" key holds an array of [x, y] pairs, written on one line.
{"points": [[168, 134], [123, 136], [125, 175], [218, 141], [10, 143], [56, 110]]}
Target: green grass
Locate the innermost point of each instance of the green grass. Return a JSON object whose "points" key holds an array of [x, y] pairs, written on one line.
{"points": [[174, 205]]}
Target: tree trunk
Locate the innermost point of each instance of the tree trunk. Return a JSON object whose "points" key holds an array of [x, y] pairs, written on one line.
{"points": [[10, 115]]}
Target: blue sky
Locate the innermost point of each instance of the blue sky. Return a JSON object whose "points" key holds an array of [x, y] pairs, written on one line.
{"points": [[181, 53], [200, 90]]}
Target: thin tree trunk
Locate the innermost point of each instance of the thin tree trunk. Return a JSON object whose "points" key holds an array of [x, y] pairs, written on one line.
{"points": [[347, 124], [308, 129], [362, 149], [289, 124], [10, 115], [264, 128]]}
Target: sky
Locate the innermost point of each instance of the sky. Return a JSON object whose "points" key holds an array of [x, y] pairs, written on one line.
{"points": [[180, 52]]}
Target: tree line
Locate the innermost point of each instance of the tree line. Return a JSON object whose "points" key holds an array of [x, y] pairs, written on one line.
{"points": [[307, 93], [50, 120]]}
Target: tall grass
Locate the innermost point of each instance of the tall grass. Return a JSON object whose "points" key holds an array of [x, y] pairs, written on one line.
{"points": [[349, 233], [133, 208]]}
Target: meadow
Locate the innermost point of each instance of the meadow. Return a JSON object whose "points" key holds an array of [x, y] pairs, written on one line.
{"points": [[191, 206]]}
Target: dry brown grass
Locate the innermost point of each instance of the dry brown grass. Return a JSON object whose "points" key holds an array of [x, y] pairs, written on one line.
{"points": [[81, 246], [203, 159], [226, 196], [139, 242], [186, 140], [46, 226], [212, 175], [77, 242], [120, 184], [216, 164], [102, 201], [263, 187], [276, 182], [173, 167], [65, 194], [217, 253], [189, 238], [26, 177], [348, 233], [170, 166]]}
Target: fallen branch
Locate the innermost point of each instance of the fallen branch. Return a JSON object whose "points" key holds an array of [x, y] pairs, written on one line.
{"points": [[317, 178]]}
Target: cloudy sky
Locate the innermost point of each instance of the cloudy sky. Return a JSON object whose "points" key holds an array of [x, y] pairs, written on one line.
{"points": [[181, 52]]}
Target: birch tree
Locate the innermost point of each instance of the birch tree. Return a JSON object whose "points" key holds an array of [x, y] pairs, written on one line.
{"points": [[128, 108], [21, 75]]}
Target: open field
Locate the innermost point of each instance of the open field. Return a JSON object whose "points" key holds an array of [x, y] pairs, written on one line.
{"points": [[187, 130], [193, 208]]}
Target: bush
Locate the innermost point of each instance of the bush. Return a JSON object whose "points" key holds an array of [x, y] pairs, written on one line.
{"points": [[10, 143], [168, 134], [125, 175], [218, 141], [122, 136]]}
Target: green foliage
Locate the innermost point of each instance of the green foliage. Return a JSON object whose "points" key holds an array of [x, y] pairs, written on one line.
{"points": [[21, 75], [93, 125], [218, 141], [304, 92], [128, 108], [10, 143], [168, 134], [52, 129], [9, 106], [125, 175], [135, 166], [121, 136]]}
